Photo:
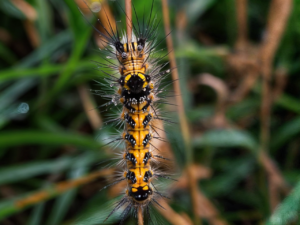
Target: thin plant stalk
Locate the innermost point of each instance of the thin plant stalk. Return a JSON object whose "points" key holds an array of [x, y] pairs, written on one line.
{"points": [[50, 192], [277, 19], [241, 14], [128, 11], [180, 107], [89, 106], [140, 216]]}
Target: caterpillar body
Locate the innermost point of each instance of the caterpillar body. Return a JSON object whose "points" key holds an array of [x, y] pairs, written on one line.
{"points": [[138, 80]]}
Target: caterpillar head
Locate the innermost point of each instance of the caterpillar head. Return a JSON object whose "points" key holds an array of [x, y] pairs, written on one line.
{"points": [[141, 193]]}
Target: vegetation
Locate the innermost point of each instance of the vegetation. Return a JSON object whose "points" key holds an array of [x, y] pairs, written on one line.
{"points": [[238, 65]]}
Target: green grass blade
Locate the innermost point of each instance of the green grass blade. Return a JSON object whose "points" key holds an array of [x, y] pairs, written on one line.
{"points": [[227, 138], [13, 92], [37, 214], [289, 102], [17, 138], [285, 133], [233, 173], [27, 170], [98, 213], [57, 43], [7, 55], [63, 202], [289, 210], [20, 203], [17, 73]]}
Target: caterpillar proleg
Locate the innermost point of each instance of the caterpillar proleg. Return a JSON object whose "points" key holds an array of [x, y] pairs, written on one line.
{"points": [[132, 69]]}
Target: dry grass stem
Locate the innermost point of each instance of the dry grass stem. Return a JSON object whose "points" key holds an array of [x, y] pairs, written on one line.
{"points": [[107, 19], [274, 173], [277, 19], [26, 9], [60, 188], [170, 215], [244, 87], [208, 211], [218, 85], [241, 13], [204, 208], [244, 66], [199, 172], [276, 181], [180, 107], [140, 216], [280, 83], [32, 33], [175, 77], [89, 107], [106, 16], [128, 11]]}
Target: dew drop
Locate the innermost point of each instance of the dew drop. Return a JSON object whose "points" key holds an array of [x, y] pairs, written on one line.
{"points": [[23, 108], [96, 7]]}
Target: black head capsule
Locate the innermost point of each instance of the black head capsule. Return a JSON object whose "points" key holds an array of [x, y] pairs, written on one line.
{"points": [[140, 193]]}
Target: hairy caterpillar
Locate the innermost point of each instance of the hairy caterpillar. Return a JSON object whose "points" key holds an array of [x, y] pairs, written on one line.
{"points": [[138, 75]]}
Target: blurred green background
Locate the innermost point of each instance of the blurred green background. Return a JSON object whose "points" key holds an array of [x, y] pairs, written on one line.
{"points": [[49, 118]]}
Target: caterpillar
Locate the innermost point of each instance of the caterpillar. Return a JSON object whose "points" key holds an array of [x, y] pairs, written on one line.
{"points": [[138, 75]]}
